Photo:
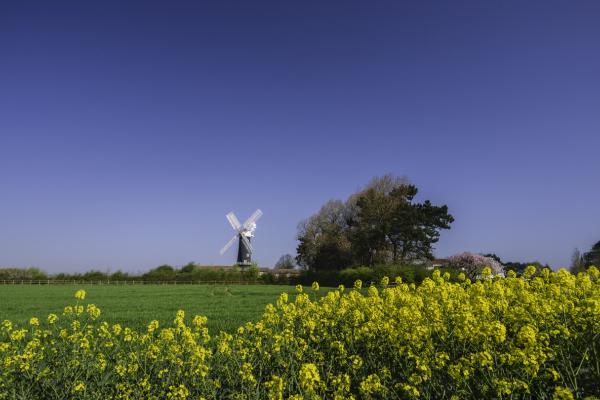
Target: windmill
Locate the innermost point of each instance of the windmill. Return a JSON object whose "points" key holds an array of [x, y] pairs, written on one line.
{"points": [[243, 234]]}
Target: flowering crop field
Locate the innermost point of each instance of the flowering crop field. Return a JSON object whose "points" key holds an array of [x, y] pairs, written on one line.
{"points": [[226, 306], [535, 336]]}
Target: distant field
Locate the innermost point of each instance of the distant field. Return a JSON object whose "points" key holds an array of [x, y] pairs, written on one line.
{"points": [[226, 306]]}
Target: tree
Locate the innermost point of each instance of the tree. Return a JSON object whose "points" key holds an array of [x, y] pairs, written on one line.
{"points": [[95, 275], [322, 238], [592, 257], [472, 264], [370, 224], [577, 262], [31, 273], [493, 256], [119, 276], [387, 226], [165, 268], [188, 268], [415, 227], [286, 261], [519, 267], [379, 224], [163, 272], [252, 272]]}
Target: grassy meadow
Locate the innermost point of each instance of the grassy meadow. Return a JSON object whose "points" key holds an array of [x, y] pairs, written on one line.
{"points": [[226, 306]]}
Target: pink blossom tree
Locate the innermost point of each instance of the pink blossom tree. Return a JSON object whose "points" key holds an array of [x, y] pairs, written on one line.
{"points": [[472, 264]]}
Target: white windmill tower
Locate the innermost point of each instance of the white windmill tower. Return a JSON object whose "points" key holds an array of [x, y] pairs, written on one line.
{"points": [[243, 234]]}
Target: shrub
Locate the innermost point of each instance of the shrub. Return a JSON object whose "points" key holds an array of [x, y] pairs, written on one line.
{"points": [[94, 275], [347, 276], [161, 273], [22, 274], [119, 276]]}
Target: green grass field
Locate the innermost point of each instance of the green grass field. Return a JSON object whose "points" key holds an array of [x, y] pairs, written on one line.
{"points": [[226, 306]]}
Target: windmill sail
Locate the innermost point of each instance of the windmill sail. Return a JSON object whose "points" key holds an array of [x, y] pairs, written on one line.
{"points": [[235, 224], [253, 218], [228, 245]]}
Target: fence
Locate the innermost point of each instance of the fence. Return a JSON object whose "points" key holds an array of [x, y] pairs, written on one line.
{"points": [[130, 282]]}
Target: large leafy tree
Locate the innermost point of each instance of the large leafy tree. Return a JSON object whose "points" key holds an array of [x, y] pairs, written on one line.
{"points": [[369, 226]]}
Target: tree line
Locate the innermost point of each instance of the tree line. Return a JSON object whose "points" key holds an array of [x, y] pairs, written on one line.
{"points": [[190, 272]]}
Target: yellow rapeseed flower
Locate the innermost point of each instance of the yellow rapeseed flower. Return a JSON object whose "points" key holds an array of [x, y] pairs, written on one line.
{"points": [[79, 387], [562, 393], [152, 326], [309, 376]]}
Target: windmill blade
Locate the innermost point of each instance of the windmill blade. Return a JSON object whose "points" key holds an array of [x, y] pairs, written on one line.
{"points": [[253, 218], [228, 245], [235, 224], [247, 243]]}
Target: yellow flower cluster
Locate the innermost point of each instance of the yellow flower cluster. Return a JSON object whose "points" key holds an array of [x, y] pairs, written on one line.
{"points": [[535, 336]]}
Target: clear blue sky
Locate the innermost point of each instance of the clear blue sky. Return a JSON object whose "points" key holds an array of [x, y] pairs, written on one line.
{"points": [[129, 129]]}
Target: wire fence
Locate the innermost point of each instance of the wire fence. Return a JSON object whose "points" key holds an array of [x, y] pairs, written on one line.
{"points": [[123, 283]]}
